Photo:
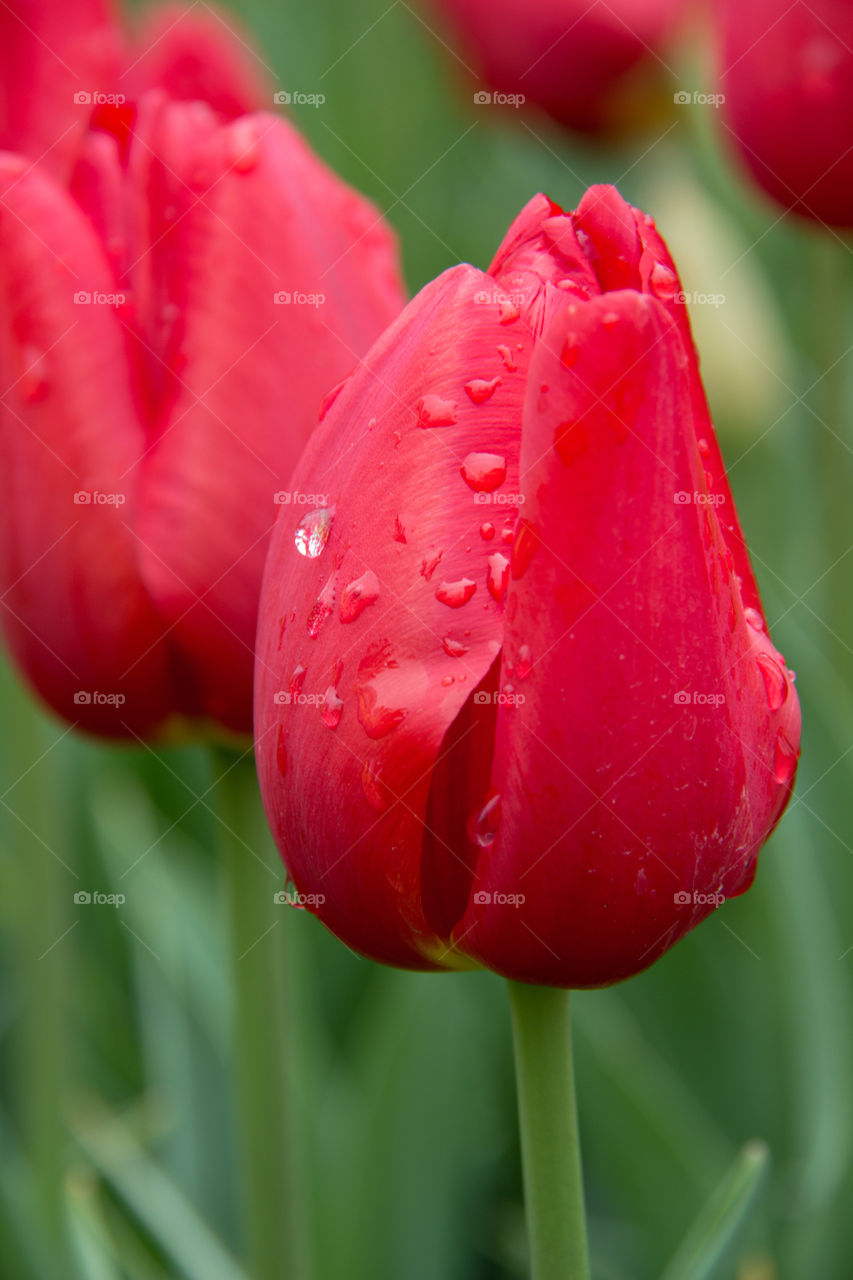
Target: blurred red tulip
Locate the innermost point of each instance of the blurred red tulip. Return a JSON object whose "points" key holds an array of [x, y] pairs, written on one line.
{"points": [[788, 83], [589, 65], [516, 703], [170, 322]]}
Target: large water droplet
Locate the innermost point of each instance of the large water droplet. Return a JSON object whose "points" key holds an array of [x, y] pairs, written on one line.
{"points": [[571, 440], [571, 351], [775, 680], [375, 718], [526, 542], [754, 619], [509, 311], [484, 472], [664, 282], [509, 360], [356, 597], [498, 576], [429, 564], [484, 824], [455, 594], [786, 760], [434, 411], [332, 708], [487, 530], [524, 662], [312, 532], [480, 389], [297, 680], [454, 648], [322, 607]]}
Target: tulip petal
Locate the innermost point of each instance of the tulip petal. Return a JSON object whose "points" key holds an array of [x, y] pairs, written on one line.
{"points": [[410, 461], [75, 612], [657, 737], [260, 278]]}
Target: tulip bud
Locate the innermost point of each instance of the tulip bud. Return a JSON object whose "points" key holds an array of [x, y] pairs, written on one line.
{"points": [[169, 328], [788, 83], [516, 704]]}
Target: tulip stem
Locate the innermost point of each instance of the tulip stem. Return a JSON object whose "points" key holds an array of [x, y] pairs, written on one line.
{"points": [[262, 1039], [550, 1151]]}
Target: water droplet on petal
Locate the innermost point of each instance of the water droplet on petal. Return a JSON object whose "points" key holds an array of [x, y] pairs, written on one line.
{"points": [[571, 351], [356, 597], [454, 648], [429, 564], [498, 576], [433, 411], [297, 680], [487, 530], [455, 594], [375, 718], [447, 681], [322, 607], [526, 542], [610, 319], [509, 311], [524, 662], [786, 760], [483, 827], [664, 282], [312, 532], [484, 472], [330, 397], [506, 355], [376, 793], [754, 619], [332, 708], [399, 531], [480, 389], [571, 440], [508, 534], [704, 448], [775, 680]]}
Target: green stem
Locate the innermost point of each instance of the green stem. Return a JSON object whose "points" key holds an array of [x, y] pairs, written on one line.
{"points": [[550, 1152], [263, 1033]]}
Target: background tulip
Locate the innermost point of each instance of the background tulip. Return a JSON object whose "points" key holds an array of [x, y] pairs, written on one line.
{"points": [[557, 756], [592, 67], [171, 322], [788, 83]]}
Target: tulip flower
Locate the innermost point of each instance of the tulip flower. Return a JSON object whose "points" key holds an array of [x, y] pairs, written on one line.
{"points": [[788, 83], [516, 702], [171, 320], [592, 67]]}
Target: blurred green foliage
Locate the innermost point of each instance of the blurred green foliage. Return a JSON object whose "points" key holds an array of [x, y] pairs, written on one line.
{"points": [[118, 1134]]}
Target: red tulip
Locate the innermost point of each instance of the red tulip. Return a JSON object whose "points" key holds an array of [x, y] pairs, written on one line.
{"points": [[158, 391], [516, 704], [588, 65], [787, 76]]}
